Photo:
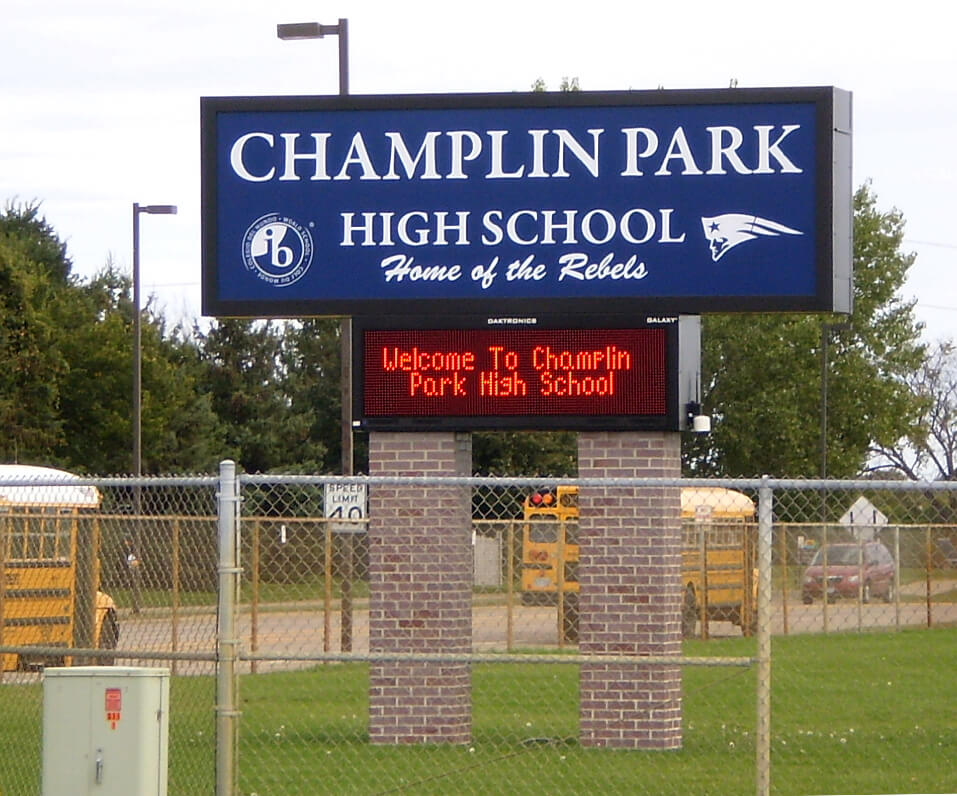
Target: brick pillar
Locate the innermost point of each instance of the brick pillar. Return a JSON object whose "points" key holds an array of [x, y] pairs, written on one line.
{"points": [[420, 573], [630, 575]]}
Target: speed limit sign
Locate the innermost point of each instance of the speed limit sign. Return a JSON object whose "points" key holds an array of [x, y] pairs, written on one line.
{"points": [[345, 502]]}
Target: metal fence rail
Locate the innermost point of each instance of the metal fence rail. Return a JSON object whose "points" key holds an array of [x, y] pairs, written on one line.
{"points": [[259, 604]]}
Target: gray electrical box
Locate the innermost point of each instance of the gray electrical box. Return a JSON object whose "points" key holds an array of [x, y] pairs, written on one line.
{"points": [[105, 731]]}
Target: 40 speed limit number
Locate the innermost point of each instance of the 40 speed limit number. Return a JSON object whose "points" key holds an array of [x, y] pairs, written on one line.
{"points": [[345, 502]]}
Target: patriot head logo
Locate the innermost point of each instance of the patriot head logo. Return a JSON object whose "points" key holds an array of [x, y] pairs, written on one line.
{"points": [[726, 231]]}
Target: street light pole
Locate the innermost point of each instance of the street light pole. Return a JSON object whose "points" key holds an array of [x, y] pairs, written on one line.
{"points": [[295, 31], [315, 30], [133, 554], [826, 329]]}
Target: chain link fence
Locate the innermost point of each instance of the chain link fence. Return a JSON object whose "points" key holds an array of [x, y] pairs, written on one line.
{"points": [[848, 590]]}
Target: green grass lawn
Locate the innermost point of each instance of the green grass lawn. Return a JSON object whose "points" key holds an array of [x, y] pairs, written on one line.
{"points": [[851, 713]]}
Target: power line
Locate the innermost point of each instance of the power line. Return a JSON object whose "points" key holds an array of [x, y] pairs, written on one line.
{"points": [[174, 284], [938, 244]]}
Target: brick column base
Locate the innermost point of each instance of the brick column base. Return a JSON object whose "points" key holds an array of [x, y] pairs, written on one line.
{"points": [[630, 576], [420, 579]]}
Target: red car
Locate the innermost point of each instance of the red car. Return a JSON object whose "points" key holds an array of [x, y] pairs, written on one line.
{"points": [[866, 569]]}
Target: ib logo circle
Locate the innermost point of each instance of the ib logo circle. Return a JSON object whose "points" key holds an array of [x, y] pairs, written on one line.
{"points": [[278, 249]]}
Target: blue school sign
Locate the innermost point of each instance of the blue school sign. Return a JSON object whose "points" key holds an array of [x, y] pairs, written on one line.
{"points": [[572, 203]]}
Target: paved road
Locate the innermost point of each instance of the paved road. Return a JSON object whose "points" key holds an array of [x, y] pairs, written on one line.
{"points": [[302, 631]]}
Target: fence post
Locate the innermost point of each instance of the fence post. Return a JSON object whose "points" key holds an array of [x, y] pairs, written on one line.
{"points": [[897, 577], [860, 585], [785, 578], [705, 586], [327, 587], [510, 588], [254, 591], [560, 582], [824, 577], [763, 739], [84, 619], [174, 596], [227, 642], [928, 555]]}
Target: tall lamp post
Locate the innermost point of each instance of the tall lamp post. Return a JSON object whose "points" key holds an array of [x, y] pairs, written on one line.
{"points": [[133, 553], [826, 330], [294, 31], [314, 30]]}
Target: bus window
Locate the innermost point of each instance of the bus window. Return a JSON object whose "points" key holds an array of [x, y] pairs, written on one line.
{"points": [[543, 530]]}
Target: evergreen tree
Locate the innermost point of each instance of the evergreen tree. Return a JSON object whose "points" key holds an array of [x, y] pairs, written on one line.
{"points": [[311, 366], [34, 273], [242, 378], [66, 365], [547, 453]]}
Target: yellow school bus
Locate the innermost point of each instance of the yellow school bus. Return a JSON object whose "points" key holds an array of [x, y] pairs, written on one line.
{"points": [[717, 559], [49, 569]]}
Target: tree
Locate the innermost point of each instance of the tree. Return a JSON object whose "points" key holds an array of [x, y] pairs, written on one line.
{"points": [[39, 244], [179, 430], [66, 365], [311, 364], [33, 272], [242, 378], [567, 84], [762, 380], [548, 453], [930, 451], [97, 385]]}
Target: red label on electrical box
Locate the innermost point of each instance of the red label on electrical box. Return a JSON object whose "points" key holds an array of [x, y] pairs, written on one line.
{"points": [[114, 705]]}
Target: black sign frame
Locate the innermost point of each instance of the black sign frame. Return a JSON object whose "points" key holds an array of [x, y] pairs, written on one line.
{"points": [[832, 237], [681, 361]]}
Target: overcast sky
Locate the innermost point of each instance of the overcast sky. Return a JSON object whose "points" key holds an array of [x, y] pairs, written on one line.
{"points": [[100, 98]]}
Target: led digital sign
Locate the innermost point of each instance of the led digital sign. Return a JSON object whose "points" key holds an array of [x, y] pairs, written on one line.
{"points": [[475, 378]]}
